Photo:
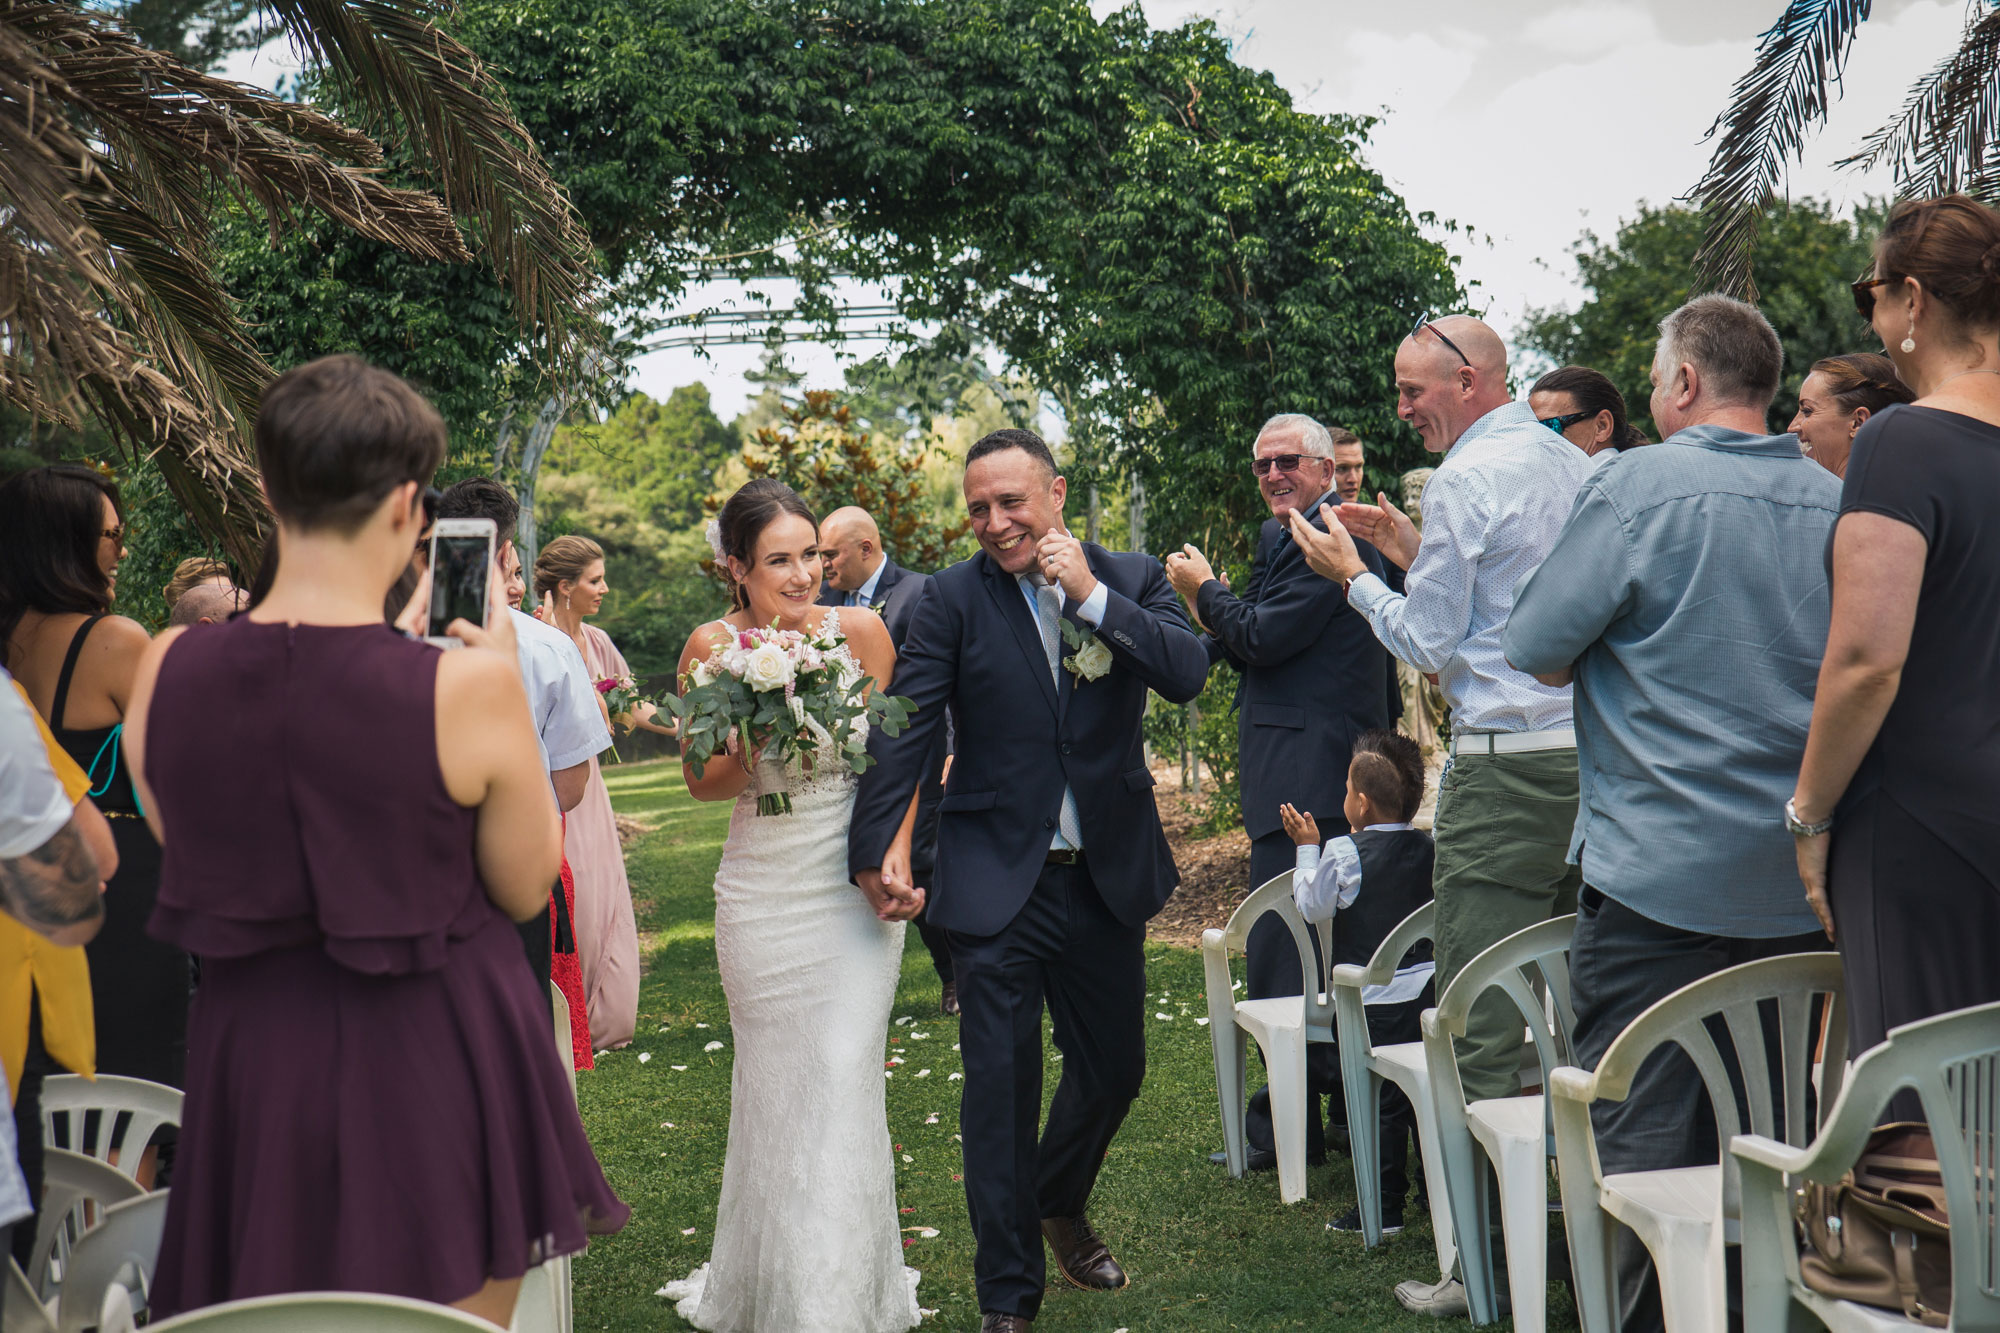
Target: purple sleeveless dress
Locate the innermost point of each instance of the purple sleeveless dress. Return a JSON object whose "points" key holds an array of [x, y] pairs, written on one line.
{"points": [[374, 1097]]}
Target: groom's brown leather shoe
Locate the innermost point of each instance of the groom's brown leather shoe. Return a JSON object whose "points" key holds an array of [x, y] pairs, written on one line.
{"points": [[1082, 1257], [1005, 1323]]}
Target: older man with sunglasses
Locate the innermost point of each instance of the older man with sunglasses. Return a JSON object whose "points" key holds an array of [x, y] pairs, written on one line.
{"points": [[1311, 678], [1508, 801]]}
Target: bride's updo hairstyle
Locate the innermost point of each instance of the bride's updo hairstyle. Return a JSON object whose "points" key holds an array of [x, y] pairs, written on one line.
{"points": [[1951, 245], [742, 521]]}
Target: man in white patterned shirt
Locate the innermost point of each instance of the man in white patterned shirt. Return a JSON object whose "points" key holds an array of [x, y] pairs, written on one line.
{"points": [[1492, 511]]}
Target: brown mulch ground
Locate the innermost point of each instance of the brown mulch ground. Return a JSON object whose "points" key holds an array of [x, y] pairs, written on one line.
{"points": [[630, 830], [1213, 870]]}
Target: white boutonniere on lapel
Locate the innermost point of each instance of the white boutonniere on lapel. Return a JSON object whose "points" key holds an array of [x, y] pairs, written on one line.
{"points": [[1089, 659], [879, 605]]}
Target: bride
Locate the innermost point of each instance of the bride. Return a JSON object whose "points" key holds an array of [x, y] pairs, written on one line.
{"points": [[806, 1235]]}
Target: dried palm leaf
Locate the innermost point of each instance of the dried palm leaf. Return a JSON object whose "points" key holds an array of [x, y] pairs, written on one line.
{"points": [[1770, 108], [395, 60]]}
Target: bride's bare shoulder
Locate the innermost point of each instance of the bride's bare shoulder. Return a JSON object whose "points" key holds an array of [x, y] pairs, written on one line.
{"points": [[705, 640]]}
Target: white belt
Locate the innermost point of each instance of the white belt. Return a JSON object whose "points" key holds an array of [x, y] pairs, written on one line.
{"points": [[1514, 742]]}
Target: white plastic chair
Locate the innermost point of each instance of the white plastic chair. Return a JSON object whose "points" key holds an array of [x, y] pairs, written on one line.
{"points": [[1953, 1063], [1685, 1215], [321, 1312], [1531, 967], [21, 1310], [70, 1181], [1363, 1068], [122, 1250], [1281, 1026], [68, 1098]]}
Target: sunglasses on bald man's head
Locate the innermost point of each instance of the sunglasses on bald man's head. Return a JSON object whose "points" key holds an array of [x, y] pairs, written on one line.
{"points": [[1424, 322]]}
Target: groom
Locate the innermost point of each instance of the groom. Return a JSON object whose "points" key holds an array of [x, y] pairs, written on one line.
{"points": [[1050, 855]]}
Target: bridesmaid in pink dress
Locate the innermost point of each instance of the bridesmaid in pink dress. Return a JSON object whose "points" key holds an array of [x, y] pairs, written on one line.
{"points": [[569, 581]]}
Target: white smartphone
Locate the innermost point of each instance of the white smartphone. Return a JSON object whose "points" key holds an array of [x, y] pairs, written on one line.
{"points": [[461, 570]]}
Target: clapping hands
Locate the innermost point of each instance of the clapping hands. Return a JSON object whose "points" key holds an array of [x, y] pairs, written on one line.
{"points": [[1385, 527], [1301, 828]]}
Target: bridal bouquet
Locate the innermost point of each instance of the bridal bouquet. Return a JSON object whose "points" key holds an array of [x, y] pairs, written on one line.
{"points": [[781, 693]]}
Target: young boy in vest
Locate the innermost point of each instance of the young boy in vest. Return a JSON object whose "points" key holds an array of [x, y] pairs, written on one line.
{"points": [[1364, 884]]}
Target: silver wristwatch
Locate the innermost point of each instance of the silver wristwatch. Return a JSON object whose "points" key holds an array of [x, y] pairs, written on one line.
{"points": [[1798, 828]]}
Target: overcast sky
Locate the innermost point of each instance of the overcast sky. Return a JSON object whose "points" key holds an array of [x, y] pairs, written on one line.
{"points": [[1527, 121]]}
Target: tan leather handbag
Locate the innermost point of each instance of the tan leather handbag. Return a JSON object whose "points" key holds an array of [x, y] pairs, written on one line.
{"points": [[1881, 1235]]}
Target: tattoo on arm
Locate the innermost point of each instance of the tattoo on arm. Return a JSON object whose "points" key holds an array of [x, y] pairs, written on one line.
{"points": [[54, 886]]}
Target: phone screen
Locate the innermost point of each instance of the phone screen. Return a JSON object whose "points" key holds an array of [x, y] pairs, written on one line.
{"points": [[459, 568]]}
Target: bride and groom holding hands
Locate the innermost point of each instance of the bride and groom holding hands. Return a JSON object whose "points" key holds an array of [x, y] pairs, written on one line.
{"points": [[1050, 861]]}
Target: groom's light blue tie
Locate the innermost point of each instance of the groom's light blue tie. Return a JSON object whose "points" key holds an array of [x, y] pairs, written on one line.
{"points": [[1048, 610]]}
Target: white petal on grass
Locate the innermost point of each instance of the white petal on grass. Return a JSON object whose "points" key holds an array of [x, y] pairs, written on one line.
{"points": [[681, 1069], [701, 1025], [712, 1046], [919, 1036], [927, 1233], [645, 1056], [954, 1078], [687, 1231], [908, 1158], [905, 1021], [923, 1073], [895, 1059], [1168, 1017], [931, 1119], [1201, 1022]]}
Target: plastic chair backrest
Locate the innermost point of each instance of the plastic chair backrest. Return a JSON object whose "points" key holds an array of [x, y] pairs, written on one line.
{"points": [[1344, 981], [1953, 1064], [1275, 896], [21, 1310], [69, 1180], [1530, 967], [1803, 992], [122, 1249], [68, 1098], [323, 1312]]}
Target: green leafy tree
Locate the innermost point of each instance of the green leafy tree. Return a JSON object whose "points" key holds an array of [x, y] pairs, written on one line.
{"points": [[662, 456], [1635, 279], [821, 451]]}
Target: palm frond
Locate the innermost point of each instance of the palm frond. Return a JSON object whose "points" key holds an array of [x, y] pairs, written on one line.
{"points": [[1939, 142], [1770, 108], [394, 58]]}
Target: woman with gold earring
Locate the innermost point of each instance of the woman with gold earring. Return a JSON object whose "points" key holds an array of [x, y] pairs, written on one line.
{"points": [[1894, 818]]}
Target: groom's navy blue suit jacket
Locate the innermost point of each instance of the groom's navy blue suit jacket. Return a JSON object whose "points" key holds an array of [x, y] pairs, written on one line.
{"points": [[973, 646]]}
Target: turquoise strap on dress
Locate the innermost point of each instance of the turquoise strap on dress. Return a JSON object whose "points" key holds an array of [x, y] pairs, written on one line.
{"points": [[99, 788]]}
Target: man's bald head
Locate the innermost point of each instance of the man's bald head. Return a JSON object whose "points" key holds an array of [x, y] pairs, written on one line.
{"points": [[1449, 373], [850, 548], [206, 603]]}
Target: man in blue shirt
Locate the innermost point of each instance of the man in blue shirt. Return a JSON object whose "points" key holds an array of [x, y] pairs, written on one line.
{"points": [[1687, 599]]}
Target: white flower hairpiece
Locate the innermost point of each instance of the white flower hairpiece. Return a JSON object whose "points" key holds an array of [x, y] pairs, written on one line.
{"points": [[714, 535]]}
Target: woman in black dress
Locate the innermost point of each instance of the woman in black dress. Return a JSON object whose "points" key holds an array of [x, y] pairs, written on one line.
{"points": [[61, 540], [1895, 813]]}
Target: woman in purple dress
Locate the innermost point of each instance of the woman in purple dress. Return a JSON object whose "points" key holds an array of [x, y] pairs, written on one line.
{"points": [[349, 819]]}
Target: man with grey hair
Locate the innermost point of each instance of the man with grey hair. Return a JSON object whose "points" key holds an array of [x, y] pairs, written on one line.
{"points": [[1688, 597], [1312, 677], [1507, 802]]}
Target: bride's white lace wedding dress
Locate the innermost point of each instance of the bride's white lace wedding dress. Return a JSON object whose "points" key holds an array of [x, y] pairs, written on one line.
{"points": [[806, 1235]]}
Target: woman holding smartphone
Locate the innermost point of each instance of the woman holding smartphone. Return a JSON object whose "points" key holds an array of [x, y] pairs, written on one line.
{"points": [[350, 819]]}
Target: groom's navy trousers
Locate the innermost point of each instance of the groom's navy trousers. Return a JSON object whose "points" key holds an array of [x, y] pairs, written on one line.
{"points": [[1065, 945]]}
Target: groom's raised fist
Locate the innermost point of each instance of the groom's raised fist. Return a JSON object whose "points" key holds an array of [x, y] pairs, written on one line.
{"points": [[1063, 564]]}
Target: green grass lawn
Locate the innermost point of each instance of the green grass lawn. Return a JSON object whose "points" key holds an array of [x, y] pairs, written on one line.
{"points": [[1204, 1251]]}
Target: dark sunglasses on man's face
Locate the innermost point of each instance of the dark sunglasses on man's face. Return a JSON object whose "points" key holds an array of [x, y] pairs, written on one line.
{"points": [[1864, 293], [1424, 322], [1563, 423], [1282, 462]]}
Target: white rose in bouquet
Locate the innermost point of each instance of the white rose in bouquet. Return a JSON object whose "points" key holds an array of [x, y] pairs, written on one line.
{"points": [[767, 667], [702, 674]]}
